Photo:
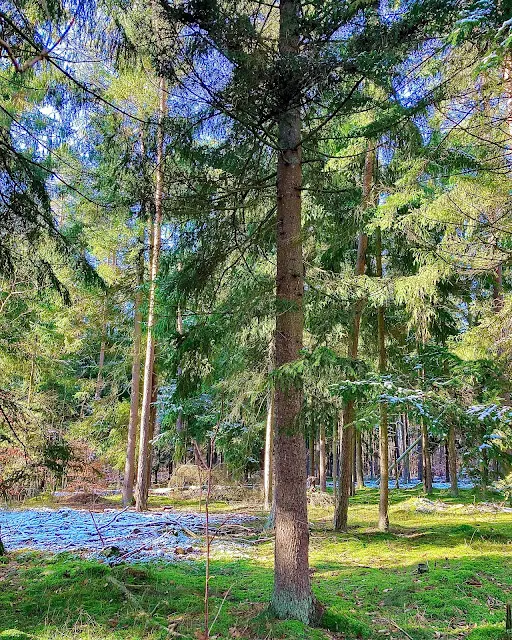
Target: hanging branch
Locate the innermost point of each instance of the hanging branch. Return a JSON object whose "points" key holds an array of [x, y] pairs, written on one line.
{"points": [[42, 55]]}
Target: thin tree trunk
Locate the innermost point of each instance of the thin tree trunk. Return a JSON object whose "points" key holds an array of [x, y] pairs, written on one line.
{"points": [[312, 451], [141, 494], [420, 458], [152, 424], [427, 459], [359, 460], [267, 465], [383, 423], [179, 330], [397, 456], [346, 456], [335, 459], [347, 440], [452, 462], [129, 467], [406, 467], [323, 459], [292, 596]]}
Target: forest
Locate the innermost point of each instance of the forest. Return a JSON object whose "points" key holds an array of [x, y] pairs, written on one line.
{"points": [[255, 319]]}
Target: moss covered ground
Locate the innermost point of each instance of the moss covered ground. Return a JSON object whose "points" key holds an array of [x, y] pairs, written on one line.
{"points": [[368, 582]]}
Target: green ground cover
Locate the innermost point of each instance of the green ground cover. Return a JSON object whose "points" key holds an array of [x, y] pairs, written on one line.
{"points": [[368, 581]]}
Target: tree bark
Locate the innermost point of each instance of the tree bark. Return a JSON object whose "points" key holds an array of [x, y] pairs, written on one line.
{"points": [[152, 424], [292, 596], [129, 467], [420, 459], [179, 331], [335, 459], [397, 456], [347, 440], [312, 452], [141, 494], [359, 460], [452, 462], [427, 459], [323, 460], [406, 467], [346, 456], [383, 423], [267, 465]]}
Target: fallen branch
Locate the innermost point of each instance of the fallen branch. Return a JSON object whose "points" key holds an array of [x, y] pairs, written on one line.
{"points": [[392, 622], [220, 608], [97, 529]]}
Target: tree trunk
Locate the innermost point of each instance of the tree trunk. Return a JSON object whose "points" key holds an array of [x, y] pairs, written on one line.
{"points": [[346, 456], [292, 596], [323, 460], [383, 423], [347, 446], [269, 441], [335, 459], [141, 497], [427, 459], [312, 452], [359, 460], [129, 467], [179, 330], [397, 456], [152, 424], [406, 472], [452, 462], [420, 459]]}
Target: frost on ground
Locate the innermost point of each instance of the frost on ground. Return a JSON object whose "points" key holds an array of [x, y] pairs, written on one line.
{"points": [[113, 535]]}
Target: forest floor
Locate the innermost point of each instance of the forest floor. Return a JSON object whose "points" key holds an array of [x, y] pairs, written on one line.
{"points": [[368, 581]]}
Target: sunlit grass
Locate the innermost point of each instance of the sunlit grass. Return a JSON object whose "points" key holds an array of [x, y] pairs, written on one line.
{"points": [[368, 580]]}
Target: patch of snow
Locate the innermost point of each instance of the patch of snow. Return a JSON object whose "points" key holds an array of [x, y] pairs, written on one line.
{"points": [[122, 535], [438, 483]]}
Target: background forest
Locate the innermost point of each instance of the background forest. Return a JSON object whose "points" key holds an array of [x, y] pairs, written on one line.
{"points": [[258, 248]]}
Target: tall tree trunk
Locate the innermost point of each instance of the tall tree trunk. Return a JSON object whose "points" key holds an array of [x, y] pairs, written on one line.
{"points": [[427, 459], [292, 596], [359, 460], [179, 331], [323, 459], [346, 456], [420, 459], [267, 465], [406, 467], [452, 462], [335, 459], [347, 439], [312, 451], [383, 423], [396, 456], [129, 467], [141, 494], [152, 424]]}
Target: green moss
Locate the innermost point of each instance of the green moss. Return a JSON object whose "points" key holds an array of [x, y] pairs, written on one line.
{"points": [[367, 581]]}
